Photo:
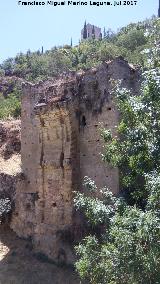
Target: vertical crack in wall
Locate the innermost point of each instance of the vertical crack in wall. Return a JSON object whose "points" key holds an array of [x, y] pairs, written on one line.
{"points": [[42, 163], [62, 136], [74, 150]]}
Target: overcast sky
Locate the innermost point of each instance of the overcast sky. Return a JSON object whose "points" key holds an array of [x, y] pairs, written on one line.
{"points": [[30, 27]]}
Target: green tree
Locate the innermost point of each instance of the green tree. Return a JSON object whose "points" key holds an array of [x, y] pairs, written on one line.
{"points": [[136, 150], [104, 32], [126, 248], [9, 107], [132, 39], [85, 31]]}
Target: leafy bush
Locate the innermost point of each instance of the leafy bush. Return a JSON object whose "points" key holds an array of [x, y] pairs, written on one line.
{"points": [[136, 150], [10, 107], [132, 39], [128, 250]]}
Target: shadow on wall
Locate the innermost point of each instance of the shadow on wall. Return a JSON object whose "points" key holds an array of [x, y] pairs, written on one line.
{"points": [[19, 265]]}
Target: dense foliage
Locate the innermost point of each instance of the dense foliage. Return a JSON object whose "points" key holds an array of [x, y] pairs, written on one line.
{"points": [[9, 107], [136, 43], [136, 150], [126, 249], [129, 42], [10, 95]]}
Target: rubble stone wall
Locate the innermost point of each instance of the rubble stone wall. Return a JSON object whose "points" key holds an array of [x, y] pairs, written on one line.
{"points": [[60, 145]]}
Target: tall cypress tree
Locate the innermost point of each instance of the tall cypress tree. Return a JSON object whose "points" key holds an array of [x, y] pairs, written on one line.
{"points": [[104, 32], [85, 31]]}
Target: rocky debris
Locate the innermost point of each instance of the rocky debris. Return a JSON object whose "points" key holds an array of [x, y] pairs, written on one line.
{"points": [[5, 209], [10, 165], [10, 138], [8, 84], [8, 185]]}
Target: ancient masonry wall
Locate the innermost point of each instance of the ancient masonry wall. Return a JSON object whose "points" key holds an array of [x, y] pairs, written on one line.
{"points": [[60, 145]]}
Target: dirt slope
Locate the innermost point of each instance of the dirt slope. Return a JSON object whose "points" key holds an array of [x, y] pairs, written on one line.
{"points": [[19, 265]]}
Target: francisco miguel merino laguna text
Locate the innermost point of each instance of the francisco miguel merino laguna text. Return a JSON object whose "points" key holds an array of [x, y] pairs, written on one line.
{"points": [[69, 3]]}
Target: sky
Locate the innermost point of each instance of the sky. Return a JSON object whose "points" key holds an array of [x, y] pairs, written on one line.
{"points": [[31, 27]]}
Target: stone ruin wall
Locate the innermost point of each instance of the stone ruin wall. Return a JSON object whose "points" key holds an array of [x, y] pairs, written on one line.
{"points": [[60, 145]]}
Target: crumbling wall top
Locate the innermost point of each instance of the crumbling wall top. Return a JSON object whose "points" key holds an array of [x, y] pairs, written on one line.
{"points": [[67, 86]]}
